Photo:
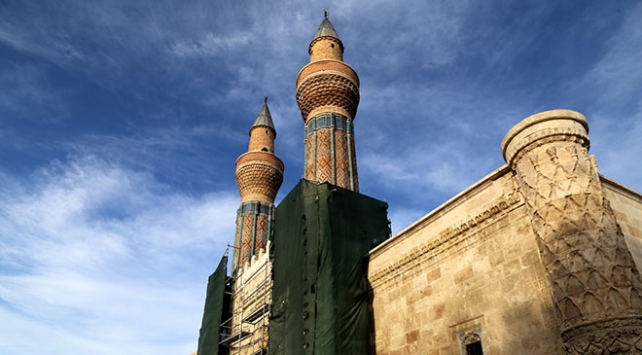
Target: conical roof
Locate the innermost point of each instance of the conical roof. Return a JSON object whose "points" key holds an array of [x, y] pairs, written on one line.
{"points": [[264, 119], [326, 29]]}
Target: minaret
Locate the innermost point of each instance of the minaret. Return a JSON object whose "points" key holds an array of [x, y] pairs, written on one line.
{"points": [[259, 174], [328, 96]]}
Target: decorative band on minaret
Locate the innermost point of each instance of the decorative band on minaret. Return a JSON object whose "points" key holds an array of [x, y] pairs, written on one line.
{"points": [[328, 96], [595, 285], [259, 174]]}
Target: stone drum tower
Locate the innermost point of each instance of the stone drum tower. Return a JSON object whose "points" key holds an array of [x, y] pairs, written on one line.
{"points": [[259, 174], [595, 285], [328, 96]]}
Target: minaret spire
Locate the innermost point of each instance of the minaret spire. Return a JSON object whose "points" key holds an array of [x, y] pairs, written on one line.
{"points": [[328, 96], [264, 118], [259, 174]]}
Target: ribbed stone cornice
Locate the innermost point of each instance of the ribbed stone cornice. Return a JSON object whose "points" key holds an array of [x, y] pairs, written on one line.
{"points": [[544, 126]]}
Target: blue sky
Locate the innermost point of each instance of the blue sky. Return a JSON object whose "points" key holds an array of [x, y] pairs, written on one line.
{"points": [[120, 122]]}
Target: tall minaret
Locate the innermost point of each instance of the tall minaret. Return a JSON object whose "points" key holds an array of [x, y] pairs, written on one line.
{"points": [[328, 96], [259, 174]]}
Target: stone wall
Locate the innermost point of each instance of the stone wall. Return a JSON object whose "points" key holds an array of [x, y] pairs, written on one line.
{"points": [[470, 270], [627, 205], [540, 257]]}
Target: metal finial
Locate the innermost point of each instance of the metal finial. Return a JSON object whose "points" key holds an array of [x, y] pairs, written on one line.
{"points": [[325, 13], [265, 100]]}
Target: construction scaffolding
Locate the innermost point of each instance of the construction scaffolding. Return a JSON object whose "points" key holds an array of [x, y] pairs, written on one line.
{"points": [[245, 332]]}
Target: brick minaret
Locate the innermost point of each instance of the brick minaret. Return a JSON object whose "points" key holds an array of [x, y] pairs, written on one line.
{"points": [[259, 174], [328, 96]]}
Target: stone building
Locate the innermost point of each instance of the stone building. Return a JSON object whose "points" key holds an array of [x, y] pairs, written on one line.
{"points": [[542, 256]]}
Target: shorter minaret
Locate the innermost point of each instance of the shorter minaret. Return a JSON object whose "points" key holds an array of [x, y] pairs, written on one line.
{"points": [[259, 174]]}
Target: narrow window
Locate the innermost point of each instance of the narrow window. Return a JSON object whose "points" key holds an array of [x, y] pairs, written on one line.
{"points": [[474, 348], [471, 342]]}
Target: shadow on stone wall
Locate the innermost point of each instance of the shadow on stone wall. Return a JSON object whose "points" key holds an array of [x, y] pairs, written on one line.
{"points": [[528, 328], [372, 334]]}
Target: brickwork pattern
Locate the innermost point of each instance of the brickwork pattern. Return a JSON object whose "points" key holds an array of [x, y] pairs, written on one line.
{"points": [[262, 228], [342, 169], [353, 159], [331, 66], [309, 169], [328, 88], [259, 180], [595, 285], [323, 157], [261, 139], [237, 242], [246, 224], [333, 163], [326, 48], [250, 228]]}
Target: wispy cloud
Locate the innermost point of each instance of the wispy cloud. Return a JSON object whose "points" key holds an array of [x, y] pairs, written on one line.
{"points": [[615, 114], [209, 45], [29, 95], [619, 68], [92, 251]]}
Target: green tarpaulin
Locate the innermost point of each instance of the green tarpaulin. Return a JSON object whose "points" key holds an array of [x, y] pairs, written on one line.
{"points": [[214, 311], [319, 298]]}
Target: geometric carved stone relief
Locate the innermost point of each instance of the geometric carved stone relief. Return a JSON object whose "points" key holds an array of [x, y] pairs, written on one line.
{"points": [[595, 285]]}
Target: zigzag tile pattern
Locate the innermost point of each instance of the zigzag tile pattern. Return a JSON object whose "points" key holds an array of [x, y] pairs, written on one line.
{"points": [[247, 233], [333, 163]]}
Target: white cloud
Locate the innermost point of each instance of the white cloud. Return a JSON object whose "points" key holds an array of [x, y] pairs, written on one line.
{"points": [[620, 68], [210, 45], [615, 116], [99, 259]]}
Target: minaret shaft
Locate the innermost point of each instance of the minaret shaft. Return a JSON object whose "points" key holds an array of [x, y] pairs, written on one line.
{"points": [[329, 151], [254, 224]]}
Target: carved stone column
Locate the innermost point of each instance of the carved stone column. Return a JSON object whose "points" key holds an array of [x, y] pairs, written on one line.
{"points": [[595, 285]]}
